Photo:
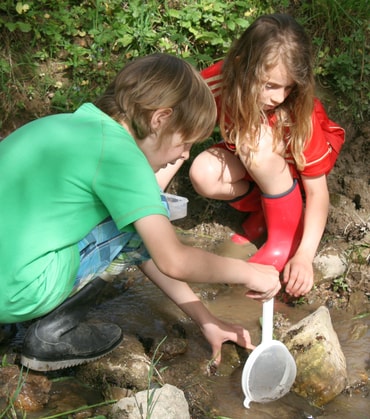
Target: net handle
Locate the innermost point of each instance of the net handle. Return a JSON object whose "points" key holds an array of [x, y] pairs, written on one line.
{"points": [[267, 320]]}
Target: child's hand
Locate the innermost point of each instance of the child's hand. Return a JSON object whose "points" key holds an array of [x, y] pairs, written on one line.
{"points": [[298, 275], [218, 332], [266, 282]]}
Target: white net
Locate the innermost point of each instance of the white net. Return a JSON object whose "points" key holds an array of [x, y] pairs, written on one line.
{"points": [[271, 375]]}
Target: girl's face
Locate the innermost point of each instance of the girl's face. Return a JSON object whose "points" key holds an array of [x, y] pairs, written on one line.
{"points": [[276, 89]]}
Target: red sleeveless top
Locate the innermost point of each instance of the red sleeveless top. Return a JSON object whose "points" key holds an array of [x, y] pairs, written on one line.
{"points": [[327, 136]]}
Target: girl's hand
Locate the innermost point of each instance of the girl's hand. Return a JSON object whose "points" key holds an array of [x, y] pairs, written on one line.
{"points": [[298, 275], [218, 332]]}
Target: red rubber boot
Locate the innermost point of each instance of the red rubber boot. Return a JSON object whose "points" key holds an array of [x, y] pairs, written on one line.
{"points": [[284, 219], [254, 226]]}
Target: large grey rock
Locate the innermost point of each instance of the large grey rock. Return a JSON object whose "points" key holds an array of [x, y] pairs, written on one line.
{"points": [[127, 366], [167, 402], [321, 365]]}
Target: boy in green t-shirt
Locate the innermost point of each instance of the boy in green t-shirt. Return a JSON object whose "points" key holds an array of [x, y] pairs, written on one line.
{"points": [[80, 190]]}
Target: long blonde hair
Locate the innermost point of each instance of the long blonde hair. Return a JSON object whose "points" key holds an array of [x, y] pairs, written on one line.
{"points": [[161, 81], [269, 39]]}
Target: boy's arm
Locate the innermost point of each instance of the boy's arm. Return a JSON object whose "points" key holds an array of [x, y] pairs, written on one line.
{"points": [[215, 331], [190, 264]]}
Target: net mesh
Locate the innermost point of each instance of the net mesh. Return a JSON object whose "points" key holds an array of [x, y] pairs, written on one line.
{"points": [[271, 375]]}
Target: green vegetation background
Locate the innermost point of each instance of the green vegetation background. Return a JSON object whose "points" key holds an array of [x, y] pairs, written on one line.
{"points": [[56, 55]]}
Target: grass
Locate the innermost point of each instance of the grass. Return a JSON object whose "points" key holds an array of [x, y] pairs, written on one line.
{"points": [[57, 55], [340, 31], [153, 374], [10, 410]]}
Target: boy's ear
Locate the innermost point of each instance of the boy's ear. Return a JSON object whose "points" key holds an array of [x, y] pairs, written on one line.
{"points": [[160, 117]]}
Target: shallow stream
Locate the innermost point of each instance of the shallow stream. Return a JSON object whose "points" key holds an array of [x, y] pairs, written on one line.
{"points": [[144, 310]]}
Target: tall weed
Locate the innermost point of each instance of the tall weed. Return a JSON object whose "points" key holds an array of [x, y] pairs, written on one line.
{"points": [[340, 31]]}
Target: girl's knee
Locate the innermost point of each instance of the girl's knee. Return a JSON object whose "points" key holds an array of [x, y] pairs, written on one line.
{"points": [[266, 160], [203, 173]]}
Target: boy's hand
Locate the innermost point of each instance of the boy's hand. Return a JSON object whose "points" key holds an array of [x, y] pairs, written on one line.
{"points": [[218, 332], [267, 282]]}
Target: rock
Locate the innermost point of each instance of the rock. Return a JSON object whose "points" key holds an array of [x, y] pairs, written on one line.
{"points": [[232, 358], [167, 402], [321, 365], [116, 393], [359, 303], [127, 366], [329, 263], [34, 389], [68, 394], [192, 376], [171, 348]]}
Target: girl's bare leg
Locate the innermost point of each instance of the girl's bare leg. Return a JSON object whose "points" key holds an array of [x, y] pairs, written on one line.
{"points": [[216, 173]]}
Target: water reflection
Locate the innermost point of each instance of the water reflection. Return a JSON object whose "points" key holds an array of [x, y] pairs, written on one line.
{"points": [[232, 306]]}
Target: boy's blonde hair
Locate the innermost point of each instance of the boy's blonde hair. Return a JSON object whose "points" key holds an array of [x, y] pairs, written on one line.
{"points": [[161, 81], [270, 39]]}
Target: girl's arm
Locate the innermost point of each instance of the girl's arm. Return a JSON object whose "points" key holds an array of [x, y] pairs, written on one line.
{"points": [[214, 330], [298, 272]]}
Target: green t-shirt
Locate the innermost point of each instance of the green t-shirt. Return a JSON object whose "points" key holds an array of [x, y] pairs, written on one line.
{"points": [[61, 176]]}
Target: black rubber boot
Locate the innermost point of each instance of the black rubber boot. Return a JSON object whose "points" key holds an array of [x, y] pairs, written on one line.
{"points": [[61, 339], [7, 331]]}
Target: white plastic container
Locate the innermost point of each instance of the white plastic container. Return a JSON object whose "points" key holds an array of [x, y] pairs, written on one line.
{"points": [[178, 206]]}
